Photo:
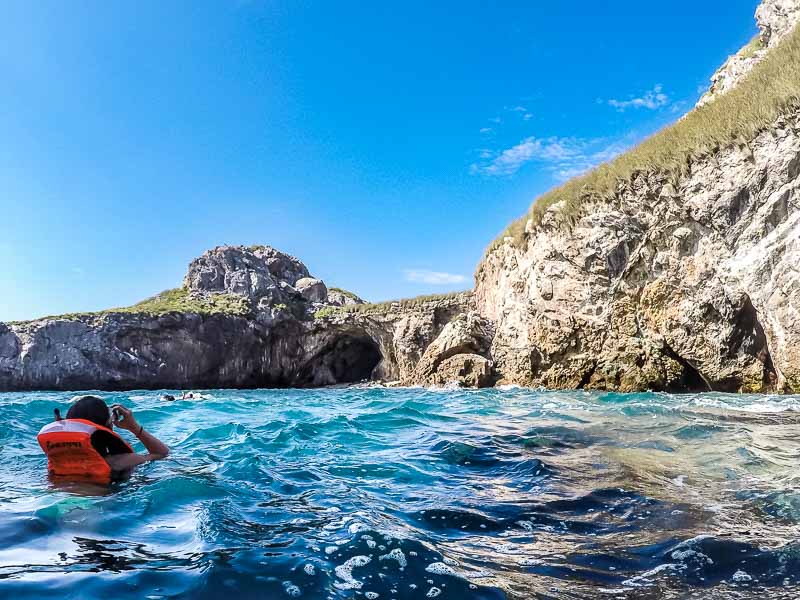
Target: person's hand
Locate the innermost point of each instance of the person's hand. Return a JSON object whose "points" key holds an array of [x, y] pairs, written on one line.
{"points": [[128, 421]]}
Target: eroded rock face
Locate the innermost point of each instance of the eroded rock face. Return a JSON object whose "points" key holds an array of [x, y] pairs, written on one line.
{"points": [[312, 289], [281, 342], [468, 335], [259, 273], [400, 334], [775, 19], [465, 370], [343, 298], [687, 286]]}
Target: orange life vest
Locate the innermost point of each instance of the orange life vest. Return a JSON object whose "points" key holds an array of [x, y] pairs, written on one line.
{"points": [[71, 449]]}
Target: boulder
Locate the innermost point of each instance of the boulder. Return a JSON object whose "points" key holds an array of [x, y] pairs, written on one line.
{"points": [[337, 297], [313, 290], [465, 370], [467, 334]]}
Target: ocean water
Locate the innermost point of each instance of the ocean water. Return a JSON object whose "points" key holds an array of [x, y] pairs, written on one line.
{"points": [[413, 493]]}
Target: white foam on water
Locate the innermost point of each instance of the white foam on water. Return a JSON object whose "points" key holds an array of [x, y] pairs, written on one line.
{"points": [[526, 525], [439, 568], [371, 595], [396, 554], [645, 578], [309, 569], [741, 577], [291, 589], [433, 592], [331, 549], [345, 573], [357, 527]]}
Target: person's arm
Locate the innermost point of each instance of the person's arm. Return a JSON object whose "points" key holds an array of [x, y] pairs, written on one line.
{"points": [[156, 449]]}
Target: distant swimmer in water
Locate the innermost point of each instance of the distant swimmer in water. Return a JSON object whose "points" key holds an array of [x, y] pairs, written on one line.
{"points": [[168, 397], [187, 396], [84, 446]]}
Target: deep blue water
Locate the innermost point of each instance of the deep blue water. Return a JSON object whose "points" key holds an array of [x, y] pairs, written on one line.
{"points": [[415, 493]]}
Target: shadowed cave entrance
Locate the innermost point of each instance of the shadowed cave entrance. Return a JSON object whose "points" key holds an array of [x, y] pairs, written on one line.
{"points": [[347, 359]]}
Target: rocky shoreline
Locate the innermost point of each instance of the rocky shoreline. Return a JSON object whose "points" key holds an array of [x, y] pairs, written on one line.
{"points": [[292, 332]]}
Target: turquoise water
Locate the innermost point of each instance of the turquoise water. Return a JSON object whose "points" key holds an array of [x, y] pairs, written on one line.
{"points": [[415, 493]]}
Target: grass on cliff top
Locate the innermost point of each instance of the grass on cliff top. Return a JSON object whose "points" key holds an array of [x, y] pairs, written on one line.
{"points": [[387, 306], [753, 46], [179, 300], [175, 300], [771, 89]]}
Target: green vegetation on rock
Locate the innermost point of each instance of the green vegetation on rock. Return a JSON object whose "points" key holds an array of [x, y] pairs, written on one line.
{"points": [[180, 300], [770, 90], [387, 306], [752, 47], [168, 301]]}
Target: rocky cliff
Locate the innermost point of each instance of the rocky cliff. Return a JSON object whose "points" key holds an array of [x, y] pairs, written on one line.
{"points": [[245, 317], [678, 279]]}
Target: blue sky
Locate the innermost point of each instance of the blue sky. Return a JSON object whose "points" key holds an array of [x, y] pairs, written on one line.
{"points": [[384, 144]]}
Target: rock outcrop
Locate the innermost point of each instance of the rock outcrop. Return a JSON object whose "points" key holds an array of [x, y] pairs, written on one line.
{"points": [[775, 19], [680, 286], [337, 297], [285, 338], [681, 280], [459, 354]]}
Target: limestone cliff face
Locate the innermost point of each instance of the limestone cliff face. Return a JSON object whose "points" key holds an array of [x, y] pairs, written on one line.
{"points": [[687, 286]]}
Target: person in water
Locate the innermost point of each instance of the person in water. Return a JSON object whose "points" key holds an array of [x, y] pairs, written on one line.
{"points": [[85, 445]]}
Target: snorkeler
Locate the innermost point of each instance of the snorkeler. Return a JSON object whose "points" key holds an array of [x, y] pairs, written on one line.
{"points": [[85, 446]]}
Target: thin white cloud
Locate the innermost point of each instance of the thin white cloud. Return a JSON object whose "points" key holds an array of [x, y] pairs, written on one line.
{"points": [[521, 109], [433, 277], [527, 116], [563, 157], [651, 100], [485, 130], [509, 161]]}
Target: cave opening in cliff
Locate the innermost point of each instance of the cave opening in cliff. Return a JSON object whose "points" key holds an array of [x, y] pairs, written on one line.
{"points": [[348, 359]]}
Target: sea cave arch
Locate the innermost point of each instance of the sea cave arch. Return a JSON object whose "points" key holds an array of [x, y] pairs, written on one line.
{"points": [[347, 358]]}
